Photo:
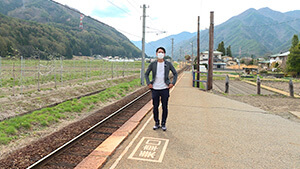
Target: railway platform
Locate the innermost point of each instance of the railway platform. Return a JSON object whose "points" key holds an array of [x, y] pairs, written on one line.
{"points": [[204, 131]]}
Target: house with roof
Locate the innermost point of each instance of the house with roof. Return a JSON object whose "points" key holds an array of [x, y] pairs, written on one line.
{"points": [[264, 64], [217, 59], [279, 58], [204, 55]]}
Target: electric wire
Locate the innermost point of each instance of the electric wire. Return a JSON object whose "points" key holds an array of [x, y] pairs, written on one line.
{"points": [[119, 7], [76, 11]]}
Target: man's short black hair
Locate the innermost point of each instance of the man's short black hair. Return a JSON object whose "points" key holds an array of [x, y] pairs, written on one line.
{"points": [[162, 48]]}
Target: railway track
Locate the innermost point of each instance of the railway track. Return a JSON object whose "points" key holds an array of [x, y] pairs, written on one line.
{"points": [[73, 152], [70, 145], [61, 140]]}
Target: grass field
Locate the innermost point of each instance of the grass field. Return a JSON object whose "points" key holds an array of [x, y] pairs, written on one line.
{"points": [[19, 76], [20, 126]]}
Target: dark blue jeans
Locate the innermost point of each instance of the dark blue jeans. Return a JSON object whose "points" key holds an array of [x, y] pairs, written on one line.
{"points": [[164, 96]]}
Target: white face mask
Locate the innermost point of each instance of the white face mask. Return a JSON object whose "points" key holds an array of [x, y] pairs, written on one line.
{"points": [[160, 55]]}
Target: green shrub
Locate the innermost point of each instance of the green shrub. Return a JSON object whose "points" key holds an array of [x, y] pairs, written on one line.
{"points": [[4, 139], [26, 124], [11, 130]]}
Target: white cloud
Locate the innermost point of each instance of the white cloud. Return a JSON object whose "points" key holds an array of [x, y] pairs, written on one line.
{"points": [[172, 16]]}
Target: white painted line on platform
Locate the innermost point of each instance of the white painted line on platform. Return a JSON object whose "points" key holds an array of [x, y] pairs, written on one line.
{"points": [[150, 149], [130, 144], [137, 135]]}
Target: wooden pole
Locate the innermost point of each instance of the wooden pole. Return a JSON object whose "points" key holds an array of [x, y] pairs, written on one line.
{"points": [[258, 85], [211, 50], [291, 87], [198, 53], [227, 84]]}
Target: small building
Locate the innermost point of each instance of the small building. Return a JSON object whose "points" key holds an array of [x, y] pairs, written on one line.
{"points": [[231, 62], [279, 58], [227, 58], [253, 69], [204, 55], [219, 65], [265, 65]]}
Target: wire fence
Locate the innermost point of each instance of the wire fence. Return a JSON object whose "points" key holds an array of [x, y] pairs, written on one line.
{"points": [[18, 76]]}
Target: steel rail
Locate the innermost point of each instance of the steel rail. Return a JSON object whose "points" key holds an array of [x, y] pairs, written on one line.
{"points": [[42, 161]]}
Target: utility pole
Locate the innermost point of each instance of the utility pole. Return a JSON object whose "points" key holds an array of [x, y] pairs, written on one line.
{"points": [[198, 53], [143, 47], [192, 57], [181, 53], [172, 47], [211, 51]]}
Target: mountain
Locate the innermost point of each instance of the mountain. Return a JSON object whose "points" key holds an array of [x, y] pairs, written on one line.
{"points": [[35, 26], [164, 42], [254, 32]]}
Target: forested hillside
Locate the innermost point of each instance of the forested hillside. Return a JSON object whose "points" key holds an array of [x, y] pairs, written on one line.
{"points": [[256, 33], [45, 27]]}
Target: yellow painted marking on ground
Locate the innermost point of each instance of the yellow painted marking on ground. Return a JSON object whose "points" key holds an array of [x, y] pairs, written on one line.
{"points": [[233, 75], [272, 89], [295, 113]]}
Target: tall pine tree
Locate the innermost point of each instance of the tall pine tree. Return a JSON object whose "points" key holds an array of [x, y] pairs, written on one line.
{"points": [[293, 60], [295, 41], [221, 48], [228, 51]]}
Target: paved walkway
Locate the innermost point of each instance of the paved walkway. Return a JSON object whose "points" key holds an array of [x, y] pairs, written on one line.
{"points": [[209, 131]]}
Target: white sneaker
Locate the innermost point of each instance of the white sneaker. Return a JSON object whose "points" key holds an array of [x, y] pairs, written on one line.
{"points": [[156, 127], [163, 127]]}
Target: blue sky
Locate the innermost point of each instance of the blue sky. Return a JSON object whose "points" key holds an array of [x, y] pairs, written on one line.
{"points": [[169, 15], [109, 12]]}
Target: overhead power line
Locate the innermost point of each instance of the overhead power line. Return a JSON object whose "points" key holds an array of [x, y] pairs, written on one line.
{"points": [[77, 11], [136, 9], [127, 12]]}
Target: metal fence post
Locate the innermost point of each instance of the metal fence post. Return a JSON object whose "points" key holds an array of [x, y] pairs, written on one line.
{"points": [[86, 75], [39, 71], [90, 68], [124, 68], [61, 69], [55, 83], [21, 78], [112, 69], [0, 71], [74, 70], [14, 78], [100, 68], [193, 78]]}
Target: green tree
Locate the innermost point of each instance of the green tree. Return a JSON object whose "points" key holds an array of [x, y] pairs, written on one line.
{"points": [[295, 41], [187, 57], [293, 61], [228, 51], [221, 48]]}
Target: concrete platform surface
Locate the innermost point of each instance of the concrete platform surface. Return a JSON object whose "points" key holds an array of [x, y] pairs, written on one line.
{"points": [[210, 131]]}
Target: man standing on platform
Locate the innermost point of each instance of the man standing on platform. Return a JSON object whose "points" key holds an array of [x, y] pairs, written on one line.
{"points": [[160, 85]]}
